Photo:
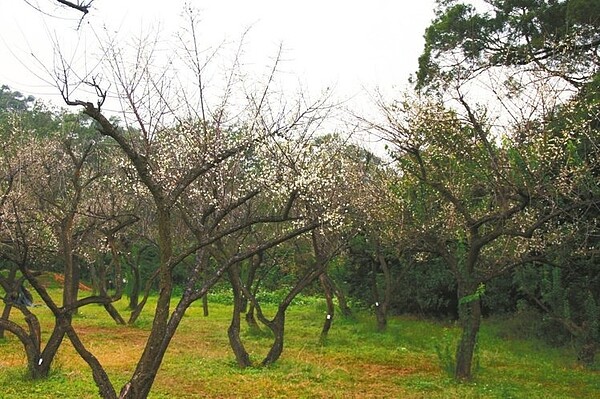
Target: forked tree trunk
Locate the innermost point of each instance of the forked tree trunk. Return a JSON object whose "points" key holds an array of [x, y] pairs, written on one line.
{"points": [[253, 285], [135, 313], [256, 262], [233, 332], [38, 361], [102, 291]]}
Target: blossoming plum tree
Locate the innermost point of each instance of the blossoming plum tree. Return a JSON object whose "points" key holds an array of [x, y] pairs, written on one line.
{"points": [[201, 158]]}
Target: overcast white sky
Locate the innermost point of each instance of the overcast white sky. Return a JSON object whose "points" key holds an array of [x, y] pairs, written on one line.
{"points": [[347, 44]]}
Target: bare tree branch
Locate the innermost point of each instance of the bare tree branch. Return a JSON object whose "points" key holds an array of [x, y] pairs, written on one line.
{"points": [[82, 6]]}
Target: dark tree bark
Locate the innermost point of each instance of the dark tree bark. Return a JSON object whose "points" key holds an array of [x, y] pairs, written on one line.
{"points": [[381, 305], [205, 311], [30, 338], [277, 323], [251, 318], [5, 316], [233, 332], [114, 313], [134, 262], [117, 276], [81, 6], [105, 387], [71, 267], [51, 349], [135, 313], [251, 281], [147, 368], [253, 267], [277, 327], [134, 295], [202, 265], [469, 310], [327, 290], [8, 284]]}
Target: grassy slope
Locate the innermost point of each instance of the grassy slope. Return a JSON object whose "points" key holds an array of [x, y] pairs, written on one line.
{"points": [[356, 362]]}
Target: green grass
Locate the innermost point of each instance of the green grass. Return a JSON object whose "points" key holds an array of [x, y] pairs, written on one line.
{"points": [[356, 361]]}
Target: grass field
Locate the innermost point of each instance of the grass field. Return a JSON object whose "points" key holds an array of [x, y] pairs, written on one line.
{"points": [[409, 360]]}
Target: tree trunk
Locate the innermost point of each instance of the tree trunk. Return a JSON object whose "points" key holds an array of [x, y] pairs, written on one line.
{"points": [[470, 319], [10, 282], [154, 351], [341, 297], [135, 313], [136, 277], [380, 311], [277, 326], [202, 261], [5, 316], [94, 279], [205, 305], [145, 373], [253, 287], [30, 340], [71, 271], [252, 268], [105, 387], [587, 352], [327, 289], [114, 313], [50, 350], [134, 294], [251, 319], [110, 309], [233, 332]]}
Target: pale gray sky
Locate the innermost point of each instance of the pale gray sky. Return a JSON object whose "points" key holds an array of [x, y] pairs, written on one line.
{"points": [[347, 44]]}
